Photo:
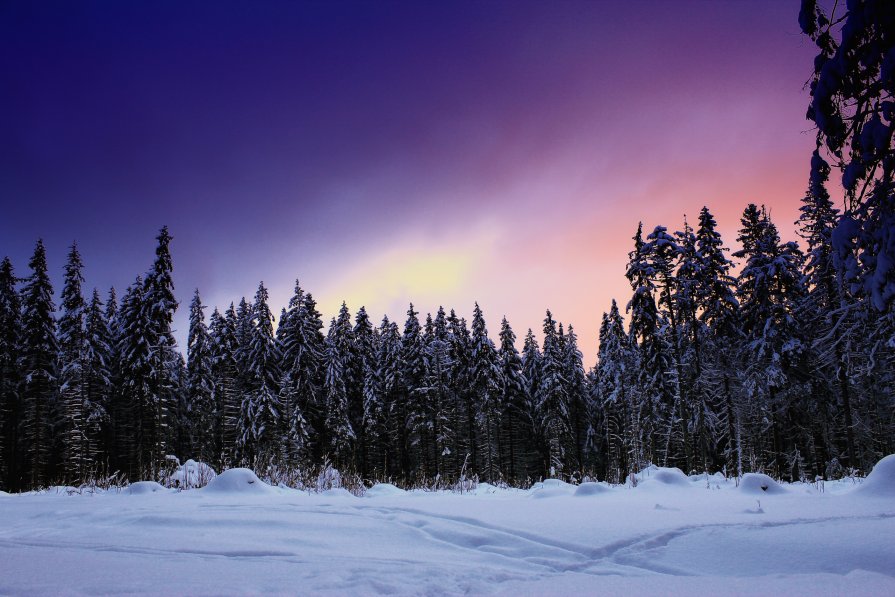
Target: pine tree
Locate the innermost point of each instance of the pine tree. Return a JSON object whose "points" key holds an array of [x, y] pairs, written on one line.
{"points": [[200, 384], [130, 419], [159, 306], [363, 365], [225, 386], [516, 435], [531, 372], [644, 327], [339, 435], [10, 407], [770, 288], [72, 345], [437, 395], [659, 254], [466, 431], [302, 343], [615, 376], [718, 310], [97, 383], [260, 411], [413, 435], [581, 412], [391, 428], [486, 385], [39, 366], [553, 400]]}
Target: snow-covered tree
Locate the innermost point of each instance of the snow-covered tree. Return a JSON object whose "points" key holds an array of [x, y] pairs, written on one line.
{"points": [[39, 366], [10, 407], [487, 387], [200, 384], [516, 433], [72, 344]]}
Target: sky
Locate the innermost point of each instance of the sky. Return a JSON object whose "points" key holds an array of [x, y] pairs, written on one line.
{"points": [[387, 152]]}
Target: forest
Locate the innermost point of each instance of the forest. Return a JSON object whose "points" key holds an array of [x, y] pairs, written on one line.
{"points": [[775, 357], [780, 369]]}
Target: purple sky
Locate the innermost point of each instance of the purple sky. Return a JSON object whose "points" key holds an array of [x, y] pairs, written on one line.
{"points": [[384, 152]]}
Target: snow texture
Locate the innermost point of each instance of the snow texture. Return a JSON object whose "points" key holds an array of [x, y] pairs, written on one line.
{"points": [[881, 480], [144, 487], [384, 489], [240, 536], [759, 484], [238, 481]]}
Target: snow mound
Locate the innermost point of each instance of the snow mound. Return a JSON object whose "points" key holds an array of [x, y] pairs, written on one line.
{"points": [[337, 492], [551, 488], [192, 474], [383, 489], [881, 480], [484, 489], [704, 477], [666, 476], [590, 488], [144, 487], [3, 494], [238, 480], [759, 484]]}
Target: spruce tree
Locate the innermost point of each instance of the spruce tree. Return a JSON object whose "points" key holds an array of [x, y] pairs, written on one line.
{"points": [[486, 386], [159, 306], [553, 401], [516, 434], [260, 411], [200, 384], [363, 365], [40, 369], [438, 396], [10, 379], [615, 378], [531, 372], [72, 346], [130, 418], [97, 383], [413, 436], [225, 386], [339, 434]]}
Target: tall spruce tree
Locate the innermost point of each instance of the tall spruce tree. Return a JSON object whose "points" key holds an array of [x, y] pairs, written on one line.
{"points": [[72, 341], [97, 384], [516, 435], [200, 384], [339, 434], [10, 379], [158, 307], [487, 385], [553, 401], [260, 410], [40, 369]]}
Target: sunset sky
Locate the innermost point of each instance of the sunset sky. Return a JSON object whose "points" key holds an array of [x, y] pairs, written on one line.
{"points": [[387, 152]]}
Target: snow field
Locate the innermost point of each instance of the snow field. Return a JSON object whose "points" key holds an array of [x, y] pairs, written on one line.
{"points": [[668, 535]]}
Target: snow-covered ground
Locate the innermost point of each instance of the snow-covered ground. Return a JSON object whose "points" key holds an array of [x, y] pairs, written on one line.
{"points": [[669, 535]]}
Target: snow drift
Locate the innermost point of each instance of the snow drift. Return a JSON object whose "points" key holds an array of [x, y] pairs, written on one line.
{"points": [[144, 487], [881, 480], [591, 488], [759, 484], [383, 489], [238, 480], [192, 474], [549, 488]]}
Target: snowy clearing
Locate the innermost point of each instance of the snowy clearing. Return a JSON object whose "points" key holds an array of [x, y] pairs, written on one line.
{"points": [[669, 535]]}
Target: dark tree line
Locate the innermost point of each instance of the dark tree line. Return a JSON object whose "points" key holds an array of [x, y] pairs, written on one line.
{"points": [[781, 368]]}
